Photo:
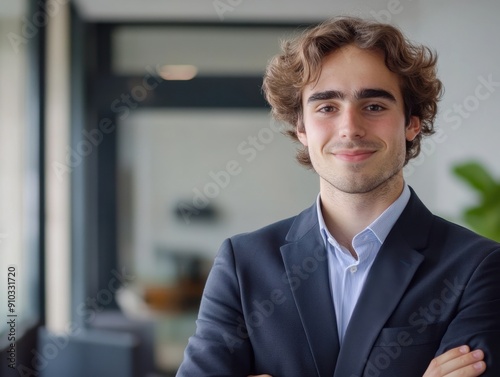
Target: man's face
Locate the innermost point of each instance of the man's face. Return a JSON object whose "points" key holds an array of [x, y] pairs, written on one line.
{"points": [[354, 122]]}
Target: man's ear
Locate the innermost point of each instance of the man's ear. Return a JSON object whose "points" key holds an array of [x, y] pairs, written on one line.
{"points": [[413, 129], [301, 132]]}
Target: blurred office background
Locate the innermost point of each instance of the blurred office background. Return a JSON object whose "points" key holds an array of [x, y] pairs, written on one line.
{"points": [[134, 138]]}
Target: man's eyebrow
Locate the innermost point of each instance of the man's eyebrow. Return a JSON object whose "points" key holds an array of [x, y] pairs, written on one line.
{"points": [[360, 94], [327, 94], [374, 93]]}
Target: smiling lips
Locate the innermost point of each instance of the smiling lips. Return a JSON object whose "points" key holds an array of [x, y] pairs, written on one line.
{"points": [[353, 155]]}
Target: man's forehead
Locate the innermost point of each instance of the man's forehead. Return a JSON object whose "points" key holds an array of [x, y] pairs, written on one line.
{"points": [[351, 70]]}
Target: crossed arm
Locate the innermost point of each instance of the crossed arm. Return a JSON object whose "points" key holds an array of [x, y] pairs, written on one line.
{"points": [[457, 362]]}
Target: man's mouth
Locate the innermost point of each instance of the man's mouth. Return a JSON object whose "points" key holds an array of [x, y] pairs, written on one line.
{"points": [[356, 155]]}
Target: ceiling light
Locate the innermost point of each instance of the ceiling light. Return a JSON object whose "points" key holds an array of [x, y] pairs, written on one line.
{"points": [[178, 72]]}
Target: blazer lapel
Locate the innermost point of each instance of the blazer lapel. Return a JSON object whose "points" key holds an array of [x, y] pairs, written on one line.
{"points": [[392, 271], [311, 290]]}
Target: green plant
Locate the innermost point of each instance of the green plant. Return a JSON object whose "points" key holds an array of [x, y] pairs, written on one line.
{"points": [[484, 217]]}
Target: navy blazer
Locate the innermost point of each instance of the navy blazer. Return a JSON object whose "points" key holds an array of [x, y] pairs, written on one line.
{"points": [[267, 305]]}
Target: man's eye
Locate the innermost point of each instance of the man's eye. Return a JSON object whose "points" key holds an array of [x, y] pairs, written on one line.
{"points": [[374, 108], [326, 109]]}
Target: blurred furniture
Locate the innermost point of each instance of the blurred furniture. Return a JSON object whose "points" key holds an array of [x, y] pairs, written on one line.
{"points": [[93, 352]]}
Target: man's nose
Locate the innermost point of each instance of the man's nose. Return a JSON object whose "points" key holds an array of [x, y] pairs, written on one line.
{"points": [[350, 124]]}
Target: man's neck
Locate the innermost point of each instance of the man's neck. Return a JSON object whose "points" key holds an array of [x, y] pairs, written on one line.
{"points": [[348, 214]]}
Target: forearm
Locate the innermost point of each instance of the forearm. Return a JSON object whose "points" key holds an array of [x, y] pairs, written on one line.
{"points": [[458, 362]]}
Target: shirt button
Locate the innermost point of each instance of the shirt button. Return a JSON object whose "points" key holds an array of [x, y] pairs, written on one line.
{"points": [[353, 269]]}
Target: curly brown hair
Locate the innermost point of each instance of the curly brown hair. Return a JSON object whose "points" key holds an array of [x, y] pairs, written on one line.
{"points": [[299, 64]]}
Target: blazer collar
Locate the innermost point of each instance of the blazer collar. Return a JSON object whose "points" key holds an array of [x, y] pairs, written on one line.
{"points": [[304, 222], [306, 264]]}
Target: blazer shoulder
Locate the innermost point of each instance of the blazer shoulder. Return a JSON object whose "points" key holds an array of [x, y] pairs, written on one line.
{"points": [[461, 247], [424, 230], [276, 234], [465, 238]]}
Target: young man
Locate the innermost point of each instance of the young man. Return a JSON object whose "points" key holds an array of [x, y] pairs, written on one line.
{"points": [[366, 282]]}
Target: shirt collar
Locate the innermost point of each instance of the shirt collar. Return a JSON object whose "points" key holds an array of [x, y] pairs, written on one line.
{"points": [[381, 226]]}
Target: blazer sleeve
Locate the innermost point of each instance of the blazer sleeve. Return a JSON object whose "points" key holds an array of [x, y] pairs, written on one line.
{"points": [[477, 322], [220, 345]]}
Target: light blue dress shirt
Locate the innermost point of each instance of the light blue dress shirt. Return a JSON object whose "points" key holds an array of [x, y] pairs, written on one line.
{"points": [[348, 274]]}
